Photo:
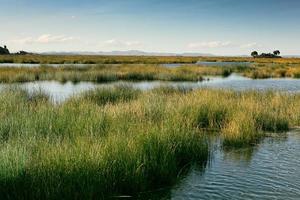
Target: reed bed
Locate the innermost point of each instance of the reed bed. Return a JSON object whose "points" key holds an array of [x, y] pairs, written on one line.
{"points": [[90, 59], [94, 59], [101, 73], [264, 71], [284, 61], [142, 72], [121, 141]]}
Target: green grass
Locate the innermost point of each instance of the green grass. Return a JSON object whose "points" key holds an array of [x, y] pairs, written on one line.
{"points": [[90, 59], [121, 141], [272, 70], [86, 59], [135, 71], [100, 73], [102, 96]]}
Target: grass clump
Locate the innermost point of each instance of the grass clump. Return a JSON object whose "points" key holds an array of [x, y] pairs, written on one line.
{"points": [[121, 93], [82, 150], [272, 122], [165, 90], [122, 141], [241, 131]]}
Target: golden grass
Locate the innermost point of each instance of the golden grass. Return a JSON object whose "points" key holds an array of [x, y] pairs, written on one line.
{"points": [[91, 59]]}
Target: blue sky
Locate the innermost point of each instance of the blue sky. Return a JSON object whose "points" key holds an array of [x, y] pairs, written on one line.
{"points": [[223, 27]]}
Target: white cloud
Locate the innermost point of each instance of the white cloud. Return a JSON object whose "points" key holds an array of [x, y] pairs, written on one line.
{"points": [[250, 45], [220, 44], [212, 44], [119, 43], [26, 40], [45, 39]]}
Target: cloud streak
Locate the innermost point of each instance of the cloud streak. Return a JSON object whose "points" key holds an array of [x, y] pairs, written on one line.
{"points": [[221, 44], [250, 45], [212, 44], [119, 43], [114, 43], [45, 39]]}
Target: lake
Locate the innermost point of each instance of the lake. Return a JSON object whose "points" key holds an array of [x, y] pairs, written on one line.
{"points": [[270, 170], [59, 92], [172, 65], [212, 64], [30, 65]]}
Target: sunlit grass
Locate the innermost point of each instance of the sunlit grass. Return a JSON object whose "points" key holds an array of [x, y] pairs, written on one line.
{"points": [[121, 141], [101, 73], [88, 59]]}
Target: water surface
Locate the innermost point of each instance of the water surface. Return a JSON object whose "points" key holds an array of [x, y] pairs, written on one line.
{"points": [[31, 65], [224, 64], [271, 170], [59, 92], [211, 64], [171, 65]]}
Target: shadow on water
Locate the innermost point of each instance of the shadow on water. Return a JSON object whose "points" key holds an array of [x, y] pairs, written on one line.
{"points": [[269, 170], [243, 156], [164, 193]]}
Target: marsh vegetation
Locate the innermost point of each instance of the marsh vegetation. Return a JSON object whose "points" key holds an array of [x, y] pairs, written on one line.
{"points": [[258, 68], [118, 141], [90, 59], [106, 73]]}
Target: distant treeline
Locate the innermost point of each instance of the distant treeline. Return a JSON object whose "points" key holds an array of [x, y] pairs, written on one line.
{"points": [[275, 54], [4, 51]]}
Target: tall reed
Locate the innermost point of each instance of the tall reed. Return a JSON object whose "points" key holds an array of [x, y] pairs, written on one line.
{"points": [[123, 141]]}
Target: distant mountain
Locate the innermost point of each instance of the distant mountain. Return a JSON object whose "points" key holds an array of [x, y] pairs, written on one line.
{"points": [[124, 53], [291, 56]]}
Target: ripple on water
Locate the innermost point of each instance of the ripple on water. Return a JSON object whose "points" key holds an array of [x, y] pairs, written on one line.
{"points": [[272, 172]]}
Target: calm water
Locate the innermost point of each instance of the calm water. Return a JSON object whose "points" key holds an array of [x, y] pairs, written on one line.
{"points": [[271, 170], [30, 65], [200, 63], [60, 92], [240, 83], [212, 64], [224, 64]]}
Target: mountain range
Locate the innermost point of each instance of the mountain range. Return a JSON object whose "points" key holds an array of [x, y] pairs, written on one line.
{"points": [[124, 53]]}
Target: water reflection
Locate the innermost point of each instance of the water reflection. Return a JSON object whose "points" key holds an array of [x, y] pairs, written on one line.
{"points": [[31, 65], [211, 64], [224, 64], [59, 92], [270, 170], [240, 83], [242, 156]]}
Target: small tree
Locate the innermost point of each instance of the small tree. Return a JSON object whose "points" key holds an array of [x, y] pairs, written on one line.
{"points": [[276, 53], [4, 51], [254, 54]]}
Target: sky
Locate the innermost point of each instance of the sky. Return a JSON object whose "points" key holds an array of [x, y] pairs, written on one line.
{"points": [[221, 27]]}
